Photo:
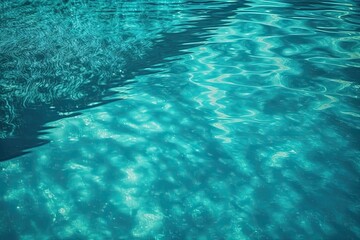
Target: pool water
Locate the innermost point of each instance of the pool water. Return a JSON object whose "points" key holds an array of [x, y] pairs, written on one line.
{"points": [[176, 119]]}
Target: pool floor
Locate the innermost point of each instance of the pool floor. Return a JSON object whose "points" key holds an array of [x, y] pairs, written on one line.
{"points": [[179, 119]]}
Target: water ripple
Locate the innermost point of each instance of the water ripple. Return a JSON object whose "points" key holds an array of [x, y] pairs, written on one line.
{"points": [[245, 116]]}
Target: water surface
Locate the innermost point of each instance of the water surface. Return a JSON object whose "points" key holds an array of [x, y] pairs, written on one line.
{"points": [[179, 120]]}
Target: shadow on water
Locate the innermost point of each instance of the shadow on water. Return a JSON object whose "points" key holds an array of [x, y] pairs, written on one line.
{"points": [[86, 78]]}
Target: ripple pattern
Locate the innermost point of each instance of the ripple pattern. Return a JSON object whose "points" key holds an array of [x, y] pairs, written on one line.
{"points": [[252, 134]]}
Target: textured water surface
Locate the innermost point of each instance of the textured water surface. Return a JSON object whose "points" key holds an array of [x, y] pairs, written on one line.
{"points": [[179, 119]]}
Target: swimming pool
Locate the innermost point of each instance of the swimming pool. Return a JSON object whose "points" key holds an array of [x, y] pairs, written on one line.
{"points": [[178, 119]]}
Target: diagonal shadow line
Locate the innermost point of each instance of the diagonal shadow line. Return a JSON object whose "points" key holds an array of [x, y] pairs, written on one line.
{"points": [[170, 45], [175, 44]]}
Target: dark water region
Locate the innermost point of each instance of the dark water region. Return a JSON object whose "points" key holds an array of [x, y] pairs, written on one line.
{"points": [[47, 77], [177, 119]]}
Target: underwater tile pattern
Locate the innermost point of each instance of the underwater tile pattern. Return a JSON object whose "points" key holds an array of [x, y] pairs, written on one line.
{"points": [[180, 119]]}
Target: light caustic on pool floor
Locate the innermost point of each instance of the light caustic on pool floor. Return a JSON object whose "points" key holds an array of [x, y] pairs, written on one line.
{"points": [[249, 136]]}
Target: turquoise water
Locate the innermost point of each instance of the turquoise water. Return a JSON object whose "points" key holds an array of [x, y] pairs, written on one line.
{"points": [[178, 119]]}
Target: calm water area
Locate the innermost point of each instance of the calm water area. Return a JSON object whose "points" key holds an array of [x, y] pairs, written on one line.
{"points": [[179, 119]]}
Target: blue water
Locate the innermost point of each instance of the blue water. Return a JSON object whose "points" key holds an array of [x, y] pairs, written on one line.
{"points": [[176, 119]]}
